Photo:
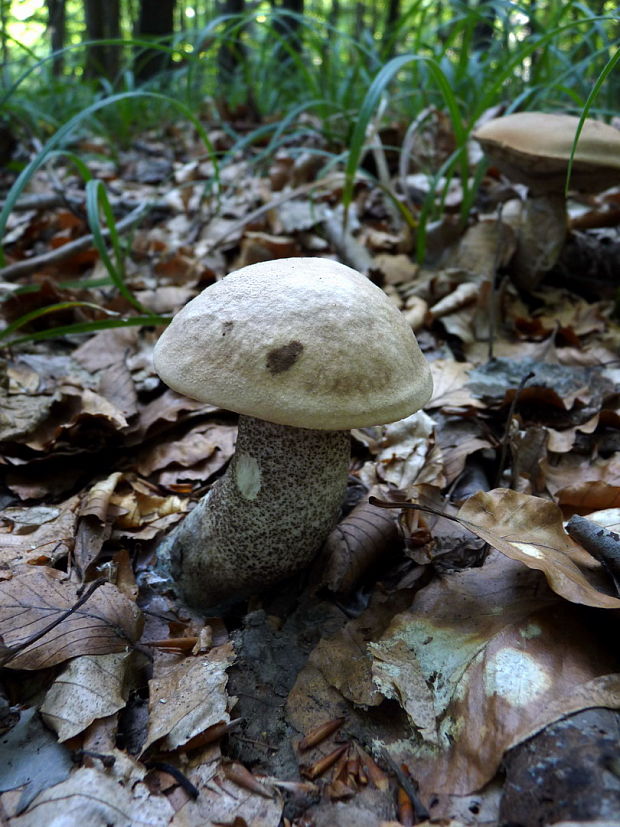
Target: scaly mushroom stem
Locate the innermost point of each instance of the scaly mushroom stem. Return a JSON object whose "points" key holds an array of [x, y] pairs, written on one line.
{"points": [[266, 517], [541, 236]]}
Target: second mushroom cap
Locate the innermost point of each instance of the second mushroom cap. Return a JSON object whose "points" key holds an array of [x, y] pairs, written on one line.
{"points": [[534, 148]]}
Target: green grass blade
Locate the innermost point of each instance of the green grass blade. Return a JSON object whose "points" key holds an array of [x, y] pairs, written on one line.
{"points": [[62, 133], [89, 327], [52, 308], [609, 67]]}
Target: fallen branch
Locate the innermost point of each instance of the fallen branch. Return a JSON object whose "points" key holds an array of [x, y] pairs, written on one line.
{"points": [[602, 543], [43, 201]]}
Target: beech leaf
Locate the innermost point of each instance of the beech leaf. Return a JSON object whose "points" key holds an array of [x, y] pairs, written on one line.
{"points": [[107, 622], [530, 530]]}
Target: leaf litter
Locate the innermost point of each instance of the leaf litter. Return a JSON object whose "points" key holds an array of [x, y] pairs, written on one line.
{"points": [[439, 647]]}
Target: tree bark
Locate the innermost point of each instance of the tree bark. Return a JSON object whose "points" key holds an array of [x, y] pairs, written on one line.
{"points": [[232, 52], [56, 24], [287, 25], [155, 22], [102, 23], [391, 19]]}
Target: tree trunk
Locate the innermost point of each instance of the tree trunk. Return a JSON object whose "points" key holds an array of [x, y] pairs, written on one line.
{"points": [[102, 23], [484, 28], [232, 52], [156, 22], [287, 25], [391, 20], [56, 24]]}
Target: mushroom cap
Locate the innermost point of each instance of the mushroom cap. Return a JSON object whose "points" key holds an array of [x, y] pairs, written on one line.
{"points": [[305, 342], [534, 148]]}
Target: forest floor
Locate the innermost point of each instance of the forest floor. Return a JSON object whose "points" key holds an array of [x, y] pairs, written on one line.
{"points": [[451, 664]]}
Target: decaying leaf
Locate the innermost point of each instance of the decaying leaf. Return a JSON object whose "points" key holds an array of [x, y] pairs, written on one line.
{"points": [[91, 686], [495, 658], [188, 698], [31, 758], [29, 602], [90, 796], [356, 543], [35, 534], [530, 530]]}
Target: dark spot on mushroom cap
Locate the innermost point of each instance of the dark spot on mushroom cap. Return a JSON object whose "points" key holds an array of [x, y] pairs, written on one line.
{"points": [[227, 327], [283, 358]]}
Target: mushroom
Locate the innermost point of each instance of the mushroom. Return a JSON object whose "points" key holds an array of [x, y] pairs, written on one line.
{"points": [[534, 148], [304, 349]]}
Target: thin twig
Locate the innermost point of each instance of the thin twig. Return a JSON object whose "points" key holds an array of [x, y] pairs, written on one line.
{"points": [[408, 785], [22, 268], [41, 201], [493, 291], [506, 437]]}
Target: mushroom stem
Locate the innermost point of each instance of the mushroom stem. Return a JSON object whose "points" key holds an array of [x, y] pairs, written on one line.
{"points": [[541, 236], [265, 518]]}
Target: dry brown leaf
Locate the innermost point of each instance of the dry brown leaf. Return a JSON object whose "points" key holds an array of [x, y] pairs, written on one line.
{"points": [[38, 534], [97, 500], [188, 698], [90, 687], [484, 247], [167, 408], [530, 530], [355, 544], [463, 295], [458, 438], [494, 658], [584, 483], [22, 414], [29, 602], [106, 348], [450, 388], [402, 448], [91, 796]]}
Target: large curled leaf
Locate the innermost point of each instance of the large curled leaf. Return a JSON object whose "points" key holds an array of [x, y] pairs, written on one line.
{"points": [[530, 530]]}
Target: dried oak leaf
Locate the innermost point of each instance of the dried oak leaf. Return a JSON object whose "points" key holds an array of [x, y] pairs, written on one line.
{"points": [[356, 543], [107, 622], [36, 533]]}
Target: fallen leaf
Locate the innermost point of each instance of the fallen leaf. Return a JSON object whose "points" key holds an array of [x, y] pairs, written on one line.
{"points": [[90, 796], [530, 530], [90, 687], [38, 534], [495, 658], [30, 756], [188, 698], [29, 602], [355, 544]]}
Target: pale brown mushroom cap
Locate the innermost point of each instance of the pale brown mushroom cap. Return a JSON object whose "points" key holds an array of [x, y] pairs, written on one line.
{"points": [[533, 148], [305, 342]]}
